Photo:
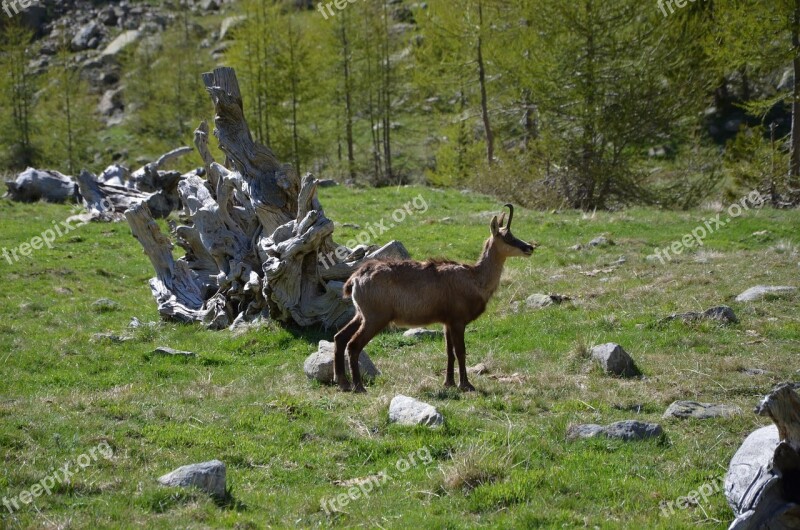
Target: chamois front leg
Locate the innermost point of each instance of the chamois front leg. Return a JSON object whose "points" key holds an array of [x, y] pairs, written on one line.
{"points": [[340, 341], [461, 354], [449, 378]]}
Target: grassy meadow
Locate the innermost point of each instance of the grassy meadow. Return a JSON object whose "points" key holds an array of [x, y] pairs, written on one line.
{"points": [[501, 459]]}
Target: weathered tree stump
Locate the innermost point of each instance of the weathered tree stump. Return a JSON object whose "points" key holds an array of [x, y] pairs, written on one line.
{"points": [[41, 184], [256, 238], [763, 480]]}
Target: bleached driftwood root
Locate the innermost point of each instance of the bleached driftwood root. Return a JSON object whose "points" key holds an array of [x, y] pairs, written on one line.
{"points": [[257, 235], [41, 184], [763, 480]]}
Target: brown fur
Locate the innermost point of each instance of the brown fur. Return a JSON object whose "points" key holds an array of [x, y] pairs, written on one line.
{"points": [[413, 293]]}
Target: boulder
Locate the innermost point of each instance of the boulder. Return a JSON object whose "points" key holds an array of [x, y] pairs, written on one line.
{"points": [[765, 291], [87, 37], [406, 410], [319, 365], [615, 360], [123, 40], [700, 411], [207, 476]]}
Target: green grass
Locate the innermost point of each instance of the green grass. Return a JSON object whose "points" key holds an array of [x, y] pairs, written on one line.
{"points": [[500, 460]]}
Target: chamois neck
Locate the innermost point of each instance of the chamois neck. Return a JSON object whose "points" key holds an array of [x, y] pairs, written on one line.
{"points": [[489, 268]]}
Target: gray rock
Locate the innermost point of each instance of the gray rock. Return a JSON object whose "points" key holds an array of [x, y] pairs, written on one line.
{"points": [[209, 5], [111, 102], [615, 360], [87, 37], [722, 314], [422, 333], [700, 411], [600, 241], [207, 476], [110, 337], [633, 430], [765, 291], [405, 410], [125, 39], [104, 304], [627, 430], [229, 24], [319, 365], [538, 300], [163, 350], [587, 430]]}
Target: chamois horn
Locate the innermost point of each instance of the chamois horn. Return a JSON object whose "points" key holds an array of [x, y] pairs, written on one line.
{"points": [[510, 215]]}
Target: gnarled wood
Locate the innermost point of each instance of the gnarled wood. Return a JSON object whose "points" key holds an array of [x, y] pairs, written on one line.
{"points": [[259, 244], [763, 481]]}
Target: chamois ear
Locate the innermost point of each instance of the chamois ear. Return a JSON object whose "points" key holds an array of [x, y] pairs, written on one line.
{"points": [[494, 226], [501, 220]]}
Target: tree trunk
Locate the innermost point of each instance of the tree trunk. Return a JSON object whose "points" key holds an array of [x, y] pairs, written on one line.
{"points": [[259, 243], [794, 169], [348, 108], [484, 99]]}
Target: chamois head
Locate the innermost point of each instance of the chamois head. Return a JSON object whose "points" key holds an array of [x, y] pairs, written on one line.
{"points": [[504, 241]]}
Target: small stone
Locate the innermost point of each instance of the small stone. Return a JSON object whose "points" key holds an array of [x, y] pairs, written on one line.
{"points": [[207, 476], [600, 241], [627, 430], [405, 410], [700, 411], [104, 305], [615, 360], [319, 365], [539, 301], [765, 291], [753, 371], [163, 350], [110, 337], [421, 333]]}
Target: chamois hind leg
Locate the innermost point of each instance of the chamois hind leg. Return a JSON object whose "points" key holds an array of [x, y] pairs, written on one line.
{"points": [[461, 354], [340, 340], [360, 339], [449, 379]]}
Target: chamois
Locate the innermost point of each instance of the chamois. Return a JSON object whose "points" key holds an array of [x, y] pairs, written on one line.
{"points": [[413, 293]]}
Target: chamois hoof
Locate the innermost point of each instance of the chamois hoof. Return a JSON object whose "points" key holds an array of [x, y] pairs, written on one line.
{"points": [[344, 387], [359, 389], [466, 387], [449, 384]]}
